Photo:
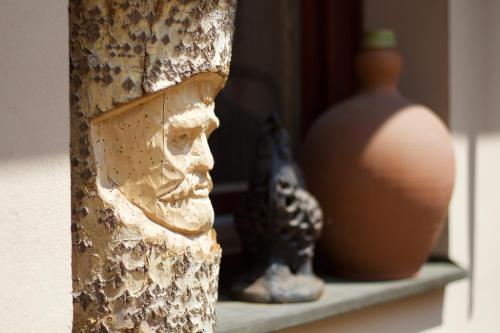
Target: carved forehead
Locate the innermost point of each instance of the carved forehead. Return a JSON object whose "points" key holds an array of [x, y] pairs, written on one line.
{"points": [[202, 88], [190, 101], [197, 115]]}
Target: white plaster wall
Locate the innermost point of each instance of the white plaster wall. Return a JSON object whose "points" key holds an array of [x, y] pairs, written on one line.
{"points": [[475, 121], [35, 239], [472, 97]]}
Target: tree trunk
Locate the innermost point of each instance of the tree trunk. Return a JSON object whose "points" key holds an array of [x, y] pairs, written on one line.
{"points": [[144, 75]]}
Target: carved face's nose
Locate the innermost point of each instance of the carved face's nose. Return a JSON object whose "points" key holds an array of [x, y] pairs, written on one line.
{"points": [[202, 156]]}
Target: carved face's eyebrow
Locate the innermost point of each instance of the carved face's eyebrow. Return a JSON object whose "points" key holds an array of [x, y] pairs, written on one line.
{"points": [[194, 117]]}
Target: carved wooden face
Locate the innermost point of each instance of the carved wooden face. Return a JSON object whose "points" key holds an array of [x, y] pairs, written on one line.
{"points": [[155, 152]]}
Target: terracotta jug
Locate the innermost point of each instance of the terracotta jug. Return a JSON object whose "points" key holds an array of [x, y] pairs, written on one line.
{"points": [[382, 168]]}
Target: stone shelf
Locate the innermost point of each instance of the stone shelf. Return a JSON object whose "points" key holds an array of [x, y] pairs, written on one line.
{"points": [[340, 296]]}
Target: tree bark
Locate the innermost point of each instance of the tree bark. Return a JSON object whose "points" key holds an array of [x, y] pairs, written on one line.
{"points": [[134, 269]]}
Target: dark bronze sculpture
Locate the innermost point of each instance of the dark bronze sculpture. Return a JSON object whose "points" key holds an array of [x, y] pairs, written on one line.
{"points": [[278, 227]]}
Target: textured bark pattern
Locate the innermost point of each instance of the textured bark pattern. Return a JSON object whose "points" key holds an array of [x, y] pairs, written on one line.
{"points": [[141, 285], [128, 277], [123, 49]]}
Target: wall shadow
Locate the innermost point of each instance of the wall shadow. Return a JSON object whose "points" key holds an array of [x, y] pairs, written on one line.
{"points": [[471, 218]]}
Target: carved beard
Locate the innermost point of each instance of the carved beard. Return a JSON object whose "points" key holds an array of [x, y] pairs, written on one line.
{"points": [[155, 153]]}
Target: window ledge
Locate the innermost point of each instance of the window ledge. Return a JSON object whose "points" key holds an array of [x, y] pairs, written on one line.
{"points": [[340, 296]]}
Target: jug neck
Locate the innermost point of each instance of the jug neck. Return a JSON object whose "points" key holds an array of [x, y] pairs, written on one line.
{"points": [[379, 69]]}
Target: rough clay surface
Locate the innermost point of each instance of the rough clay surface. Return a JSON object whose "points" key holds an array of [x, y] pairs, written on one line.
{"points": [[133, 275], [278, 226]]}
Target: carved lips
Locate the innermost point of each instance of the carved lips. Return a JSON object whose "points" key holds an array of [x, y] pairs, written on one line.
{"points": [[190, 187]]}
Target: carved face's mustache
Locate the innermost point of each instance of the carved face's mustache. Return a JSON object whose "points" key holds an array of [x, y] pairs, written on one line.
{"points": [[193, 186]]}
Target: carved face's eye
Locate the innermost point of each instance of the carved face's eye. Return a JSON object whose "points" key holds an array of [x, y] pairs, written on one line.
{"points": [[183, 139], [180, 141]]}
